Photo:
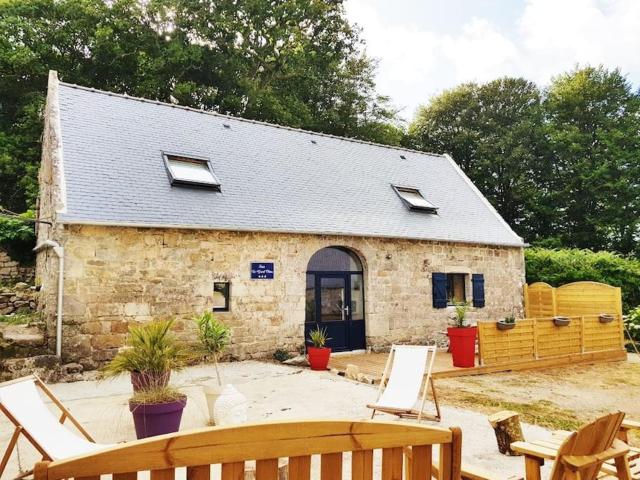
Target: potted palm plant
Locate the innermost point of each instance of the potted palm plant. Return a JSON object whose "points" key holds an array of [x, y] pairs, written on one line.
{"points": [[318, 354], [225, 403], [150, 355], [462, 337]]}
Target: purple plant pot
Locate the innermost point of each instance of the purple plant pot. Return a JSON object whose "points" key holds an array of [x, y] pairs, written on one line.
{"points": [[157, 419]]}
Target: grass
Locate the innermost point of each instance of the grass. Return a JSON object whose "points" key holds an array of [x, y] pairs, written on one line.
{"points": [[20, 318], [541, 412]]}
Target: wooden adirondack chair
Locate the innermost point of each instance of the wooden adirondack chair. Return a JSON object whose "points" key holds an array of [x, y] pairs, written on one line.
{"points": [[266, 443], [582, 454]]}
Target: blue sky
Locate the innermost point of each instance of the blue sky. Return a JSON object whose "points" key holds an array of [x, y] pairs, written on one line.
{"points": [[426, 46]]}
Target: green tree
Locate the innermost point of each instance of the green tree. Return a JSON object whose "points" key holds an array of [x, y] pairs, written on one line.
{"points": [[292, 62], [594, 131], [495, 131]]}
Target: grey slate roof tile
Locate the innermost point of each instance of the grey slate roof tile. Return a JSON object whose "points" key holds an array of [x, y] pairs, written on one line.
{"points": [[272, 178]]}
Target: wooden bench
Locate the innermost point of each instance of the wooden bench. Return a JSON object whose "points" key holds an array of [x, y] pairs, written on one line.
{"points": [[266, 443]]}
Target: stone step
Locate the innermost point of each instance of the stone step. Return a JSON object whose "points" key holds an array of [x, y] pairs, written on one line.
{"points": [[23, 335]]}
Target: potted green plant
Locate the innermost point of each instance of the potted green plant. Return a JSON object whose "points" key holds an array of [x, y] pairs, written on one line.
{"points": [[462, 337], [225, 403], [150, 354], [157, 411], [507, 323], [317, 353]]}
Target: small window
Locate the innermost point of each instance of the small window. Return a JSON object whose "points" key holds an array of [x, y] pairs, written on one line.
{"points": [[456, 288], [414, 199], [191, 171], [221, 296]]}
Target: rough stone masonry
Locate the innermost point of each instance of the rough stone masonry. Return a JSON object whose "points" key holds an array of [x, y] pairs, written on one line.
{"points": [[118, 276]]}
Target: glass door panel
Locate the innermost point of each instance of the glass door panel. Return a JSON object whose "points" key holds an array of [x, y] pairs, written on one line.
{"points": [[357, 297], [332, 299]]}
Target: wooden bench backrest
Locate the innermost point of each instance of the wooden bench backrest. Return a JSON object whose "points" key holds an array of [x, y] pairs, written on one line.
{"points": [[592, 439], [266, 443]]}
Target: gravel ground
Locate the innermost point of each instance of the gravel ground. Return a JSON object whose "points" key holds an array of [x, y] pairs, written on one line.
{"points": [[274, 392]]}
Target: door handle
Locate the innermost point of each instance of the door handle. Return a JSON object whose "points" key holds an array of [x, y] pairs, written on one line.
{"points": [[346, 309]]}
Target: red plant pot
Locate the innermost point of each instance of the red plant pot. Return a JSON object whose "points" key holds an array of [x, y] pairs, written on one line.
{"points": [[157, 419], [462, 343], [318, 357]]}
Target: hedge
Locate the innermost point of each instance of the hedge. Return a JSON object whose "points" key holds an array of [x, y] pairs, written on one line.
{"points": [[559, 266]]}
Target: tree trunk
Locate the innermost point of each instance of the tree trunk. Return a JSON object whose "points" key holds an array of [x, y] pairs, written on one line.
{"points": [[506, 424]]}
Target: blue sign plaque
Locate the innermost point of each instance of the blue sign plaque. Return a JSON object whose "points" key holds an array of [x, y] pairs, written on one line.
{"points": [[262, 270]]}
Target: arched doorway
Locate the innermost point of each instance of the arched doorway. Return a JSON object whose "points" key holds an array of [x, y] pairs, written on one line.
{"points": [[335, 298]]}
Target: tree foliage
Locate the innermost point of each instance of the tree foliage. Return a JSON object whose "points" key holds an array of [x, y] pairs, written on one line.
{"points": [[562, 165], [559, 266], [297, 63]]}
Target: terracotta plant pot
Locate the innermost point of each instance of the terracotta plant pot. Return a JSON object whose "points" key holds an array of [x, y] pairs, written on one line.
{"points": [[318, 357], [462, 344], [502, 325], [146, 380], [158, 418]]}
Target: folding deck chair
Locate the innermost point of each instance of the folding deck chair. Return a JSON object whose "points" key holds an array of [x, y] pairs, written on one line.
{"points": [[23, 405], [408, 368]]}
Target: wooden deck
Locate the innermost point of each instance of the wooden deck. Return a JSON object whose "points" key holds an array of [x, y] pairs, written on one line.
{"points": [[372, 364]]}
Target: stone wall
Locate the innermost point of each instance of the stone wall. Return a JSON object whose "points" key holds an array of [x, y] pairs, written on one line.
{"points": [[20, 298], [11, 270], [116, 276]]}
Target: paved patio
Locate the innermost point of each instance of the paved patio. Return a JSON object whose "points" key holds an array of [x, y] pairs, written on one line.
{"points": [[274, 392]]}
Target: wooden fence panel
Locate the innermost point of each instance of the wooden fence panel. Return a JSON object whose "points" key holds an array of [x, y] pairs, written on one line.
{"points": [[603, 336], [539, 300], [573, 299], [588, 298], [540, 338], [556, 341], [507, 346]]}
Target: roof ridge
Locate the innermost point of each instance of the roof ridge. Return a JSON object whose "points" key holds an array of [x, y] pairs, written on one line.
{"points": [[247, 120]]}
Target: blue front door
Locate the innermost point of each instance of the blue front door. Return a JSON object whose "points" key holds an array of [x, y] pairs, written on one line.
{"points": [[336, 310]]}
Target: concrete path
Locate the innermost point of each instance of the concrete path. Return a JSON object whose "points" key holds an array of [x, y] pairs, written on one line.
{"points": [[274, 392]]}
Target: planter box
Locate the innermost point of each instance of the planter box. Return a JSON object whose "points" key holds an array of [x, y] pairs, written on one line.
{"points": [[505, 326], [561, 321], [605, 318]]}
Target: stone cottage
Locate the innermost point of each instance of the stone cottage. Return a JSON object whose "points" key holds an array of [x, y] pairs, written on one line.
{"points": [[158, 210]]}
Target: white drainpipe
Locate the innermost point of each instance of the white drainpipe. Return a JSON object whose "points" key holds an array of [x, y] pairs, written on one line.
{"points": [[59, 251]]}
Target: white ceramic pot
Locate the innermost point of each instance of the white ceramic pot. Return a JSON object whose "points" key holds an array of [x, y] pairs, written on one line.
{"points": [[230, 407], [211, 392]]}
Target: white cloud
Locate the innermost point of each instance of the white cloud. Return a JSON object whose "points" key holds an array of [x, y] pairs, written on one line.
{"points": [[548, 38]]}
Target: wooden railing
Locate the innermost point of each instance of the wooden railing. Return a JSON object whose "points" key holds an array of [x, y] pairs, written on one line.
{"points": [[540, 338], [266, 443]]}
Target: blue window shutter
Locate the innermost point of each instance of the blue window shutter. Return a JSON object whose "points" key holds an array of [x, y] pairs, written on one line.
{"points": [[477, 282], [439, 281]]}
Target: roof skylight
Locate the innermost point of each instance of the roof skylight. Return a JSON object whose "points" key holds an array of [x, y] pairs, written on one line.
{"points": [[190, 171], [414, 199]]}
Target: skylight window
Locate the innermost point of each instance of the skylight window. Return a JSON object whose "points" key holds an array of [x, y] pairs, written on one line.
{"points": [[190, 171], [414, 199]]}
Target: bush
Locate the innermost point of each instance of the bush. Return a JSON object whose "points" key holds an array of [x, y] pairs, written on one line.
{"points": [[17, 237], [560, 266], [632, 323]]}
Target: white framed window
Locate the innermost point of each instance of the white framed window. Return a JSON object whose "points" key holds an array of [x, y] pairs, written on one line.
{"points": [[414, 200], [189, 170]]}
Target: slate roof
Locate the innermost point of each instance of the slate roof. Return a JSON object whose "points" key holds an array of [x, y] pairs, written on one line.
{"points": [[272, 178]]}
